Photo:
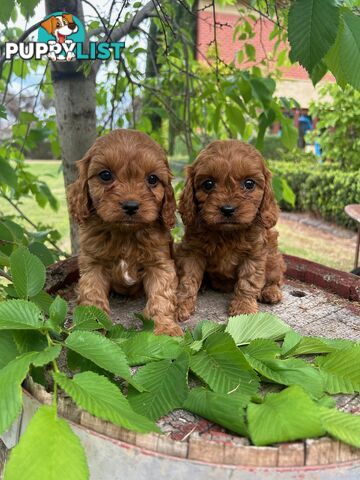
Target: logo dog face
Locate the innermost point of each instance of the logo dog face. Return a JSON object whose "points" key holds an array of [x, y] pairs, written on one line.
{"points": [[60, 26]]}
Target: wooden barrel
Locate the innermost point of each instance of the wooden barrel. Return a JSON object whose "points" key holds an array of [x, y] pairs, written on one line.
{"points": [[317, 301]]}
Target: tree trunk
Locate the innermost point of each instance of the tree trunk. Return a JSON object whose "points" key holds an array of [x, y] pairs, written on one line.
{"points": [[75, 104]]}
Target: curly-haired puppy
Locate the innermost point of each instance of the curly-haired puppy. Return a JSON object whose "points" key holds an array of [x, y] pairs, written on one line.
{"points": [[125, 205], [228, 208]]}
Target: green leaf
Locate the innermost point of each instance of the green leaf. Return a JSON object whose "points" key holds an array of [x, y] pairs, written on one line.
{"points": [[244, 328], [341, 370], [29, 341], [223, 366], [221, 408], [145, 347], [19, 314], [3, 113], [166, 385], [6, 9], [90, 318], [28, 273], [318, 72], [42, 252], [310, 345], [43, 300], [57, 312], [8, 349], [7, 174], [289, 133], [262, 349], [290, 372], [47, 449], [46, 356], [27, 7], [235, 118], [344, 57], [202, 331], [102, 351], [283, 417], [312, 29], [100, 397], [343, 426]]}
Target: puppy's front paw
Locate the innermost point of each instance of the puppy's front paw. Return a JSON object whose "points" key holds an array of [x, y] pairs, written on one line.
{"points": [[243, 306], [271, 294], [172, 329], [185, 309]]}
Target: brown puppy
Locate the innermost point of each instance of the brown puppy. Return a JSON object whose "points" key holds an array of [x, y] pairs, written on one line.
{"points": [[228, 208], [125, 205]]}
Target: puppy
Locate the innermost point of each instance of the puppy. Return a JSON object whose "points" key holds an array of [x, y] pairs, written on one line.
{"points": [[60, 27], [228, 209], [125, 205]]}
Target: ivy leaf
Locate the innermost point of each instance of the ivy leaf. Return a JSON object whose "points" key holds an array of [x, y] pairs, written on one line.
{"points": [[19, 314], [8, 349], [312, 29], [57, 312], [344, 57], [145, 347], [290, 372], [100, 397], [101, 351], [283, 417], [343, 426], [244, 328], [89, 317], [166, 385], [341, 370], [223, 366], [221, 408], [48, 448], [28, 272]]}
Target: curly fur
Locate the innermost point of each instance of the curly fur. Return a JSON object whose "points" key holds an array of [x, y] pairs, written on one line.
{"points": [[118, 251], [238, 253]]}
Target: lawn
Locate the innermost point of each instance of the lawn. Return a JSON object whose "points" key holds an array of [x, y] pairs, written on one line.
{"points": [[295, 238]]}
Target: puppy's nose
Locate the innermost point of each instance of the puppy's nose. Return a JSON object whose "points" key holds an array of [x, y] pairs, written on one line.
{"points": [[130, 207], [227, 210], [72, 26]]}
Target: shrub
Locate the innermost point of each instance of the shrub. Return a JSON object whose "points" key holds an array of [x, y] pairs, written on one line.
{"points": [[321, 189]]}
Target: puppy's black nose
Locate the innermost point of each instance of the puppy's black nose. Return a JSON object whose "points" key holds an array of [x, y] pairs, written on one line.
{"points": [[72, 26], [130, 207], [227, 210]]}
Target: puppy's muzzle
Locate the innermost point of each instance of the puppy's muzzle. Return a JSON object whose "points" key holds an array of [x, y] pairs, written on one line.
{"points": [[227, 210], [130, 207]]}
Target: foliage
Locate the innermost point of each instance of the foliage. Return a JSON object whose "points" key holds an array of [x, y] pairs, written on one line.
{"points": [[337, 131], [320, 188], [229, 376]]}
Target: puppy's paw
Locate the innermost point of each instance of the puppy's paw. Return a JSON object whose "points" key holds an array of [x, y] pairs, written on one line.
{"points": [[242, 306], [172, 329], [185, 309], [271, 294]]}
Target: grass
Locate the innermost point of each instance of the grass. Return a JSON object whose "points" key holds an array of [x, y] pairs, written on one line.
{"points": [[295, 239]]}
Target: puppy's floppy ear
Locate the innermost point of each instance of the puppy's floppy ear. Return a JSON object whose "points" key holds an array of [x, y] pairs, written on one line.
{"points": [[169, 205], [78, 194], [187, 206], [269, 210], [49, 25], [68, 17]]}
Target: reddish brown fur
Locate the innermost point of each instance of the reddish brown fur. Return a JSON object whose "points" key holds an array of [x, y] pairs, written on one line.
{"points": [[121, 252], [237, 253]]}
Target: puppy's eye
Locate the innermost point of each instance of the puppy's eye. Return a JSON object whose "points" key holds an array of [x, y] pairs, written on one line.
{"points": [[208, 185], [106, 176], [249, 184], [152, 180]]}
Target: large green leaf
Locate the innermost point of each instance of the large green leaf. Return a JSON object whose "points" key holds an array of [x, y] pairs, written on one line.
{"points": [[341, 425], [292, 371], [223, 366], [166, 385], [7, 7], [19, 315], [48, 449], [8, 349], [341, 370], [42, 252], [312, 29], [262, 349], [102, 398], [283, 417], [28, 272], [295, 344], [57, 313], [224, 409], [7, 173], [202, 331], [244, 328], [101, 351], [145, 347], [344, 57], [89, 317]]}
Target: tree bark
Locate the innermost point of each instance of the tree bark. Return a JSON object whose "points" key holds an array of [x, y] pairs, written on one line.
{"points": [[75, 104]]}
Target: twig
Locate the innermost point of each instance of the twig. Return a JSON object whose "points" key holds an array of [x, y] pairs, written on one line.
{"points": [[5, 275]]}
